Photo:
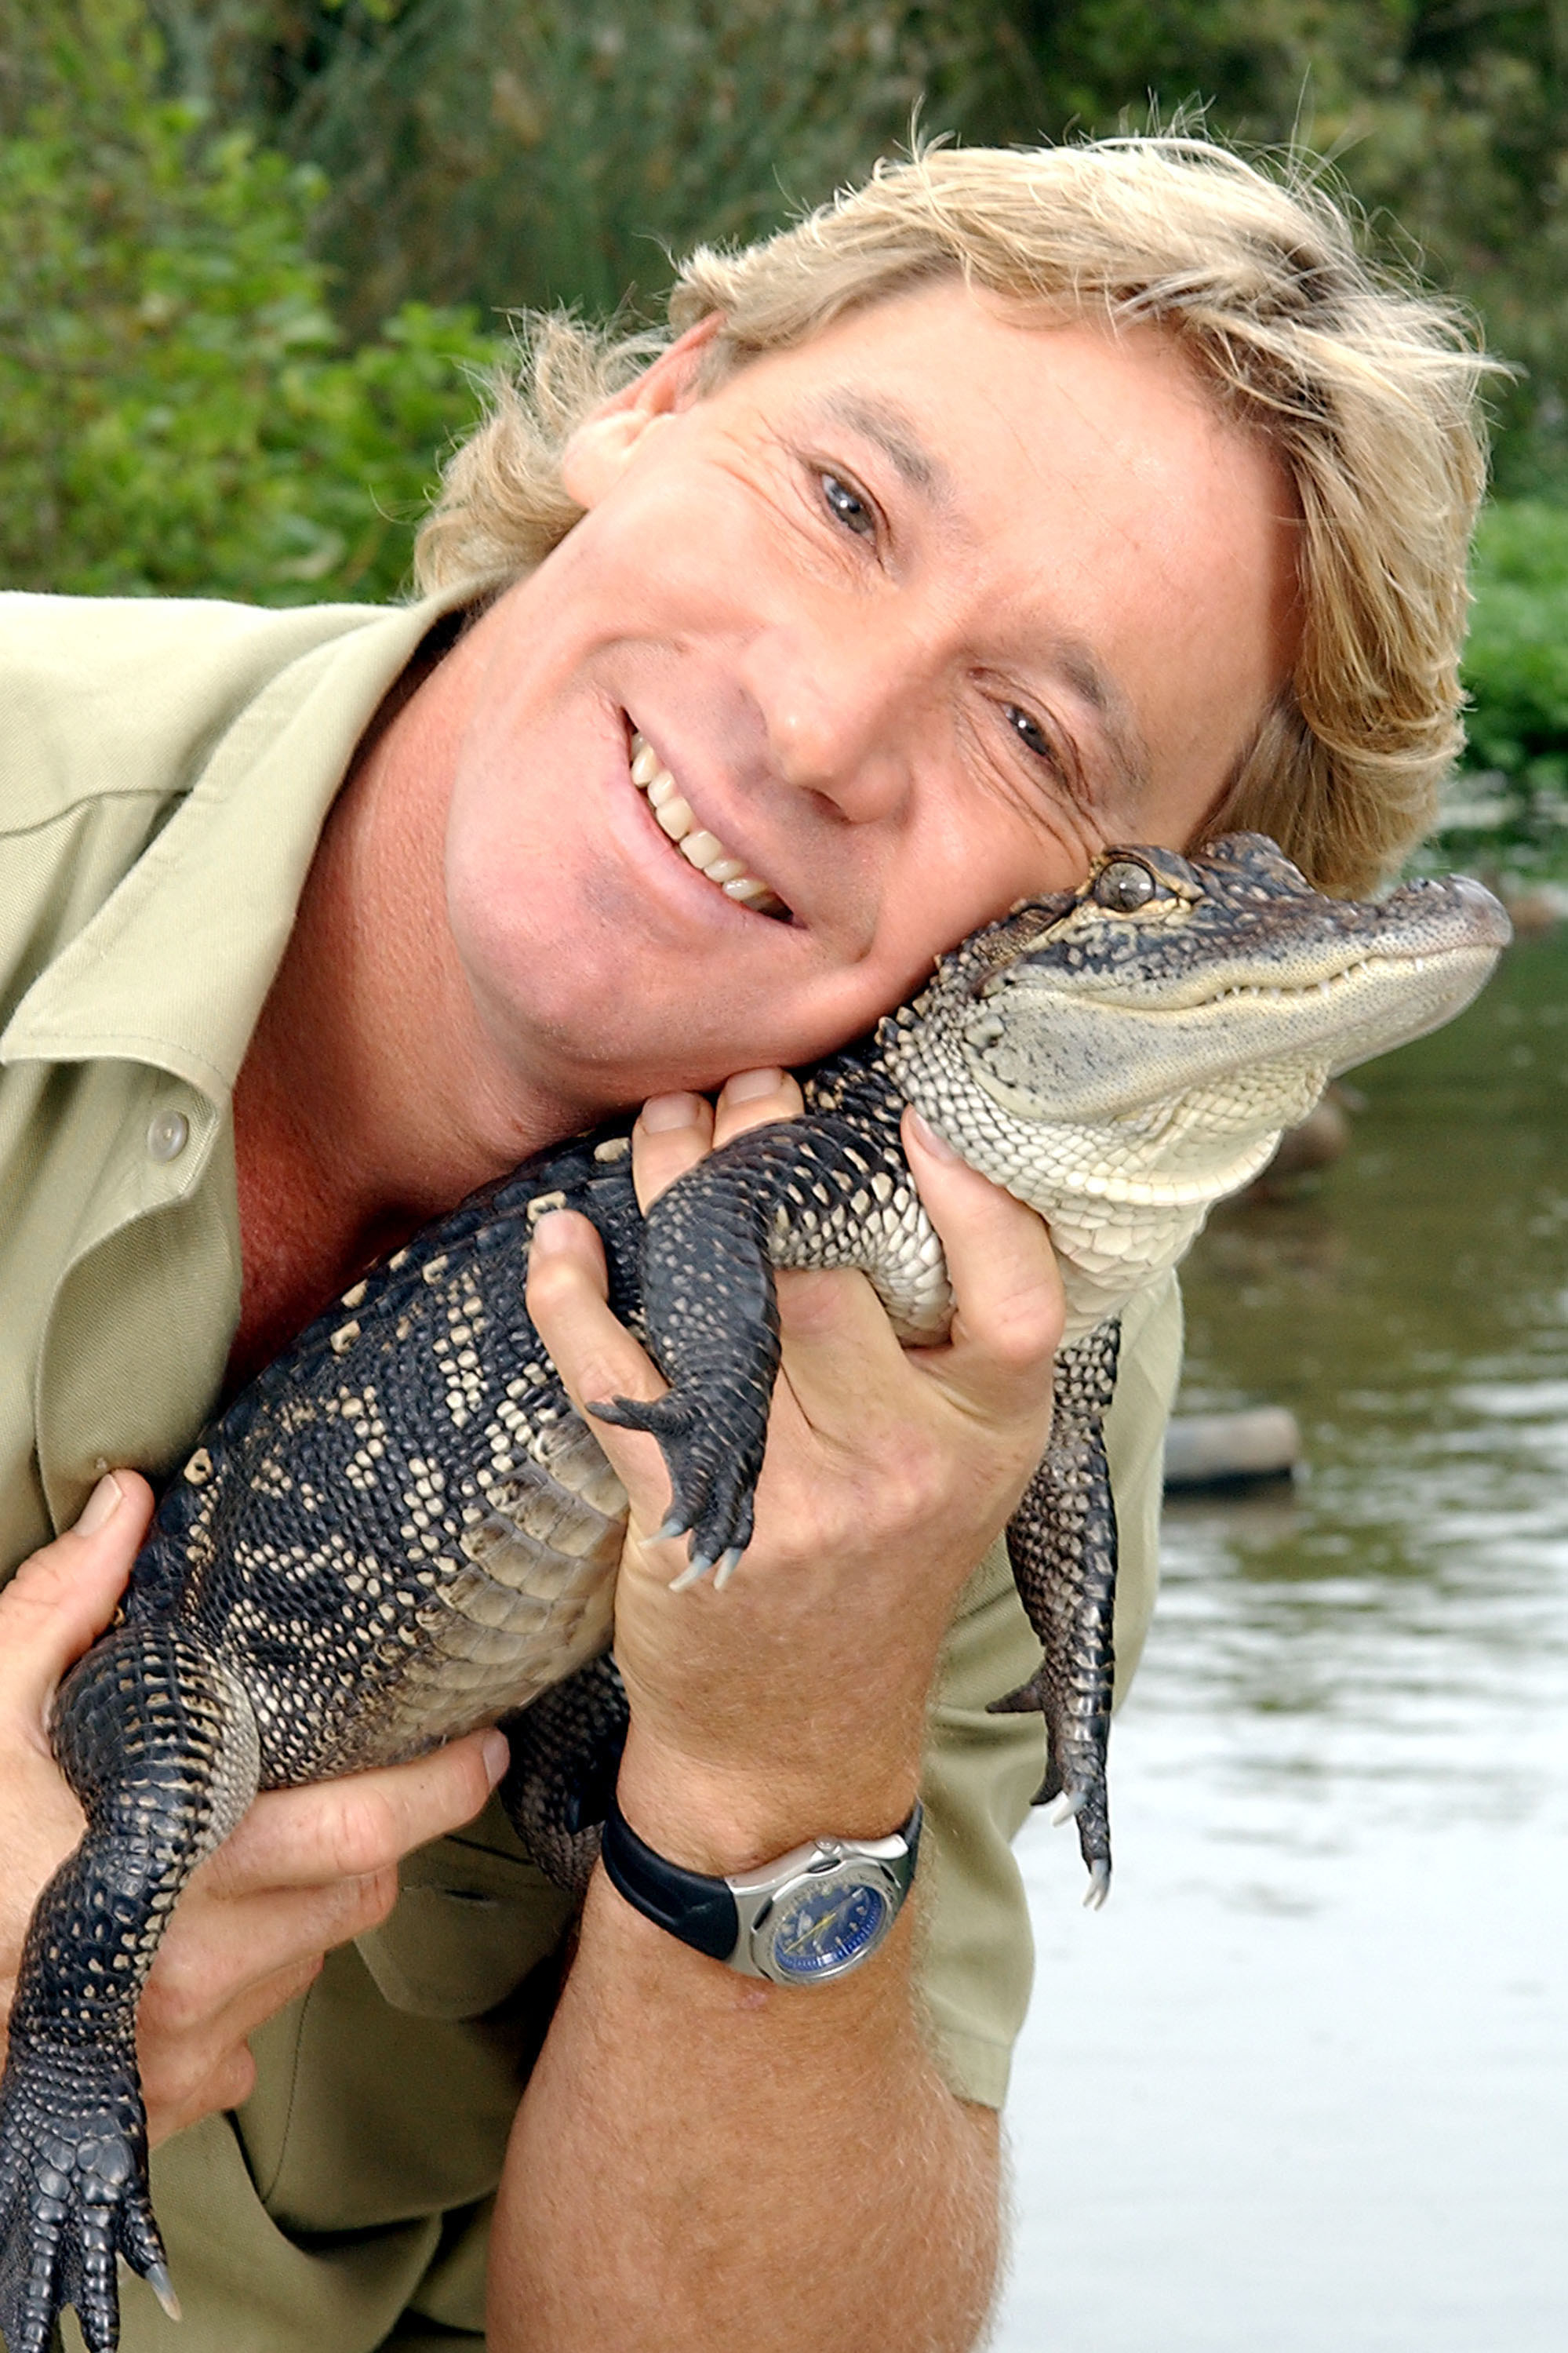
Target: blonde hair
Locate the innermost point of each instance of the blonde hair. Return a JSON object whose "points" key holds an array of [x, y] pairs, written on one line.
{"points": [[1366, 390]]}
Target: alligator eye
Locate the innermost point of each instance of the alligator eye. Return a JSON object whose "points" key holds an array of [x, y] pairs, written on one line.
{"points": [[1123, 885]]}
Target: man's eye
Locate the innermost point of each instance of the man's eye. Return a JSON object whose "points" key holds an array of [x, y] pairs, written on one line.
{"points": [[1029, 732], [849, 507]]}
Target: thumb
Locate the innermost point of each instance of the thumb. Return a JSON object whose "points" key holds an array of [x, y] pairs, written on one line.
{"points": [[62, 1597]]}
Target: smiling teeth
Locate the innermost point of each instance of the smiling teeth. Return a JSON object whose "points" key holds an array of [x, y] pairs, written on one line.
{"points": [[672, 812]]}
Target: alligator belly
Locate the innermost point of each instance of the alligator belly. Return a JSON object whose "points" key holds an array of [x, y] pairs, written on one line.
{"points": [[517, 1612]]}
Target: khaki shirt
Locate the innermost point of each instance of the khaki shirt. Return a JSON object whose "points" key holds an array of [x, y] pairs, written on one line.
{"points": [[164, 772]]}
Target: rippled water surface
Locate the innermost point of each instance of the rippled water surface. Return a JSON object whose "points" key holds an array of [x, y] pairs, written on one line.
{"points": [[1303, 2086]]}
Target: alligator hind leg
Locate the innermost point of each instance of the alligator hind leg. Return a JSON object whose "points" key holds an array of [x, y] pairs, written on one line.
{"points": [[160, 1745], [566, 1754], [1062, 1542]]}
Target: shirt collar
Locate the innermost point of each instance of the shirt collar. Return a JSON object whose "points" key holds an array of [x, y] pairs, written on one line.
{"points": [[174, 968]]}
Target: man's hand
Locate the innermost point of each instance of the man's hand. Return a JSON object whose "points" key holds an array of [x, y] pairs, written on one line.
{"points": [[687, 2132], [306, 1869], [796, 1698]]}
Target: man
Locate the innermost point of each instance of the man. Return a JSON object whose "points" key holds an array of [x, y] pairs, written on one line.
{"points": [[1014, 506]]}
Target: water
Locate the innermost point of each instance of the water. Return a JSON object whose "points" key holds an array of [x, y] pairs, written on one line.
{"points": [[1303, 2086]]}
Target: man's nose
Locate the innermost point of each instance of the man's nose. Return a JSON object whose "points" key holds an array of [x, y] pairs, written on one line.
{"points": [[841, 709]]}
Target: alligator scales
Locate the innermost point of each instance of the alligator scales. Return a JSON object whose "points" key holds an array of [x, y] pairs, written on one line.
{"points": [[402, 1530]]}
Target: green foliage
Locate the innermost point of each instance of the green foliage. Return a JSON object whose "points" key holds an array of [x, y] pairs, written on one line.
{"points": [[533, 152], [179, 413], [507, 152], [1447, 121], [231, 232], [1516, 669]]}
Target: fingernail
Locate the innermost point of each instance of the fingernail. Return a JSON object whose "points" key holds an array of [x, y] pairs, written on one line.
{"points": [[935, 1145], [497, 1756], [101, 1505], [552, 1233], [748, 1084], [665, 1113]]}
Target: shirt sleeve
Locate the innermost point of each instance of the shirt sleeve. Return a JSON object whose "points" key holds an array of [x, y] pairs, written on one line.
{"points": [[981, 1770]]}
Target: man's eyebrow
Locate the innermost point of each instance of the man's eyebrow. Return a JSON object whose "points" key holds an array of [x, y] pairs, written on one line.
{"points": [[892, 430], [1089, 677]]}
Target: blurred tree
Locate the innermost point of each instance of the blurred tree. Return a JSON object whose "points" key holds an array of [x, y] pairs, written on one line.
{"points": [[178, 413], [184, 411], [1447, 121], [1517, 669], [530, 152], [517, 150]]}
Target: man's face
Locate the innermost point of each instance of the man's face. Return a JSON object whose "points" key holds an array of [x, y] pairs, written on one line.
{"points": [[918, 616]]}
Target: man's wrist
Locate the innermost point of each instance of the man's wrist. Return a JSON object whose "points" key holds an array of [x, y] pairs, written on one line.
{"points": [[724, 1818]]}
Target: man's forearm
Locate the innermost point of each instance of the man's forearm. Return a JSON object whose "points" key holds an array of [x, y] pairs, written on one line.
{"points": [[708, 2160], [703, 2159]]}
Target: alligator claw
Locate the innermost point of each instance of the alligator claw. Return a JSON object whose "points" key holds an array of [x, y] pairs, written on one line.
{"points": [[722, 1565], [714, 1460], [162, 2287], [73, 2194]]}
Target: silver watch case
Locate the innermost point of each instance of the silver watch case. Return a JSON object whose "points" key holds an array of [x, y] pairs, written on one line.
{"points": [[821, 1909]]}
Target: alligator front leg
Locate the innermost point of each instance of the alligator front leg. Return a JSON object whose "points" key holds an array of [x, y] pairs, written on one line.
{"points": [[823, 1192], [712, 1316], [160, 1745], [1062, 1542]]}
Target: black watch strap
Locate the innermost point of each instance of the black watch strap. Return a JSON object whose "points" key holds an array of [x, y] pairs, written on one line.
{"points": [[698, 1910], [727, 1918]]}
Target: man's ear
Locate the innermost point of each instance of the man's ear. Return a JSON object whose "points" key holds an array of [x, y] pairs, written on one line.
{"points": [[603, 443]]}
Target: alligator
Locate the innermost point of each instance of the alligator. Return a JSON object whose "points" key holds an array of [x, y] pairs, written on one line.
{"points": [[403, 1529]]}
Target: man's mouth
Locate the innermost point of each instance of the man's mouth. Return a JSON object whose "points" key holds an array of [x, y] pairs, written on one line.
{"points": [[705, 850]]}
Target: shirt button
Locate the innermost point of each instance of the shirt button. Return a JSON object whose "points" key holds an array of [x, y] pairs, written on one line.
{"points": [[168, 1135]]}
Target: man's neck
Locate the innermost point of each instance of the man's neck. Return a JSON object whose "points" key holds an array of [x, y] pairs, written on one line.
{"points": [[370, 1099]]}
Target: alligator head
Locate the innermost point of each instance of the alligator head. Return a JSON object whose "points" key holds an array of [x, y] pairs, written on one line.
{"points": [[1124, 1055]]}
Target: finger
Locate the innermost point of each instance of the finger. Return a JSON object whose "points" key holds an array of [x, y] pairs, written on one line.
{"points": [[219, 1954], [190, 2076], [839, 1351], [1006, 1283], [350, 1828], [751, 1099], [591, 1349], [178, 2097], [671, 1136], [201, 1997], [63, 1597], [266, 1996], [675, 1132]]}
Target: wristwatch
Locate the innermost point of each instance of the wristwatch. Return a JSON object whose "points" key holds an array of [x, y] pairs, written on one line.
{"points": [[813, 1916]]}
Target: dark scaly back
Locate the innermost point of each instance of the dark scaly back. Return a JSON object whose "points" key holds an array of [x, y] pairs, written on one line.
{"points": [[349, 1411]]}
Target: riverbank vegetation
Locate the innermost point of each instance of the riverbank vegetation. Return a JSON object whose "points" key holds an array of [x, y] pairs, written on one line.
{"points": [[257, 254]]}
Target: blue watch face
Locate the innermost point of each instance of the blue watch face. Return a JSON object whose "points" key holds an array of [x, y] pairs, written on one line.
{"points": [[824, 1929]]}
